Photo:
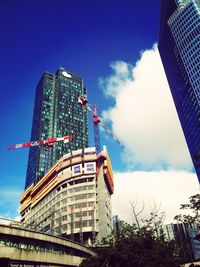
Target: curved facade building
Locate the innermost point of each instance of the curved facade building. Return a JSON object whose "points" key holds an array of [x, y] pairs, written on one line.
{"points": [[23, 247], [73, 199]]}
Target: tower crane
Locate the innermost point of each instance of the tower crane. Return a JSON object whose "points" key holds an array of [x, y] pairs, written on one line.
{"points": [[47, 144], [96, 121]]}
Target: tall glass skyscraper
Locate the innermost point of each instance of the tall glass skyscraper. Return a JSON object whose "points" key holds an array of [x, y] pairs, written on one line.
{"points": [[57, 113], [179, 47]]}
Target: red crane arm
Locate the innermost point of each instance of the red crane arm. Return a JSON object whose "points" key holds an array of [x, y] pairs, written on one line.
{"points": [[84, 102], [46, 142]]}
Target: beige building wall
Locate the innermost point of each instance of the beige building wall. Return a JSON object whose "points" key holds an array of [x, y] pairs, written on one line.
{"points": [[73, 199]]}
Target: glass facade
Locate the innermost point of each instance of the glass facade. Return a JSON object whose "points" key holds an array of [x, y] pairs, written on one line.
{"points": [[184, 236], [57, 113], [192, 232], [179, 47]]}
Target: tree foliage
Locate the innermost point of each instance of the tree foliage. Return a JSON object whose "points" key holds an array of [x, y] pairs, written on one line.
{"points": [[193, 218], [134, 246]]}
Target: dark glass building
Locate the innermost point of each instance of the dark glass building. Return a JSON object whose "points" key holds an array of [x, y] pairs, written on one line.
{"points": [[179, 47], [57, 113], [185, 237]]}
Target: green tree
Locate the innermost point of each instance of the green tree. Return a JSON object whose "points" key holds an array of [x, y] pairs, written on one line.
{"points": [[135, 246], [193, 218]]}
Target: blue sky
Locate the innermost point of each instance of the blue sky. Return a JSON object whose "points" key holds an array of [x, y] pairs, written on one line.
{"points": [[102, 41]]}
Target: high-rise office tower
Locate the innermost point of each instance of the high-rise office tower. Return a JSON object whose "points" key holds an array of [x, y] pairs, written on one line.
{"points": [[179, 47], [57, 113]]}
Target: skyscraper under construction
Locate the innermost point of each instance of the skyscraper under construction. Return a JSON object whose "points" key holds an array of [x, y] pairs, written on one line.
{"points": [[57, 113]]}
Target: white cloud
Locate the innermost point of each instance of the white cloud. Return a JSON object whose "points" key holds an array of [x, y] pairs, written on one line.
{"points": [[166, 188], [144, 117], [145, 120], [9, 202]]}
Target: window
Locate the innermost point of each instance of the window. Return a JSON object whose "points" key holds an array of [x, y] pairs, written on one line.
{"points": [[90, 167], [64, 218], [77, 169]]}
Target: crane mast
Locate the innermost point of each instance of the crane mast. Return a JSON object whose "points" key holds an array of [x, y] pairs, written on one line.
{"points": [[96, 121]]}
